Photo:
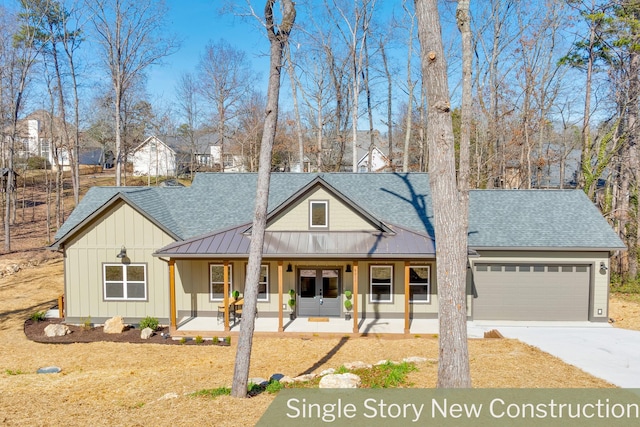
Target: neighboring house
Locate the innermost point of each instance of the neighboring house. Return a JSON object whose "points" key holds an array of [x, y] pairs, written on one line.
{"points": [[378, 161], [34, 139], [366, 142], [154, 157], [177, 253]]}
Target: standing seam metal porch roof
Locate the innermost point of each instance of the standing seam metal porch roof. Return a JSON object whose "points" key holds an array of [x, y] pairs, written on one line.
{"points": [[305, 244]]}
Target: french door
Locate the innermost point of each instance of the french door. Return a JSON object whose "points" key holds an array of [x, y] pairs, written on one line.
{"points": [[319, 290]]}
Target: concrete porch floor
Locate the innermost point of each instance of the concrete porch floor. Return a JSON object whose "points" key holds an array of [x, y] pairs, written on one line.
{"points": [[210, 326]]}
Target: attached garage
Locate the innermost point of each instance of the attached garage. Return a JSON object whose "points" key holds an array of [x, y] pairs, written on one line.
{"points": [[524, 291]]}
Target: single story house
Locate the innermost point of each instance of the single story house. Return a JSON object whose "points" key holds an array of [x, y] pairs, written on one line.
{"points": [[178, 253]]}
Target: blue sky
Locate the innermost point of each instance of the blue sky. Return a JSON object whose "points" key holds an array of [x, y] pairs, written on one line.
{"points": [[196, 22]]}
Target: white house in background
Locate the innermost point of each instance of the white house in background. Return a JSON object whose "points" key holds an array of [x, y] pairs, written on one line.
{"points": [[226, 161], [154, 157], [34, 139], [377, 160]]}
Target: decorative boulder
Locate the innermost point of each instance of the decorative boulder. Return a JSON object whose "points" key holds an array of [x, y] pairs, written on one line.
{"points": [[56, 330], [115, 325], [347, 380], [146, 333]]}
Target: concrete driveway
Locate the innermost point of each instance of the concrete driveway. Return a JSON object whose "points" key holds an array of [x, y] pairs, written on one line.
{"points": [[603, 351]]}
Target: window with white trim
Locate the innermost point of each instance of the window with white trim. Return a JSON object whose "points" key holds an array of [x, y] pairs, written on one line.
{"points": [[263, 283], [381, 283], [216, 281], [125, 282], [319, 214], [419, 283]]}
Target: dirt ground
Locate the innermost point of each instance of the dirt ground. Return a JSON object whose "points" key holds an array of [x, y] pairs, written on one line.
{"points": [[134, 384]]}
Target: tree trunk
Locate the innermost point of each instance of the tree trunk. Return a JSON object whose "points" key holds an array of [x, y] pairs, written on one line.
{"points": [[451, 249], [278, 37]]}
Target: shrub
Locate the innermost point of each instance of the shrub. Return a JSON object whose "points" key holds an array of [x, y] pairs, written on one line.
{"points": [[38, 316], [149, 322], [86, 323], [274, 386], [199, 340], [37, 162], [183, 340], [228, 340]]}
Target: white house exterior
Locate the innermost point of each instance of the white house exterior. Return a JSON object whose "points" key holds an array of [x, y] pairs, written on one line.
{"points": [[154, 157]]}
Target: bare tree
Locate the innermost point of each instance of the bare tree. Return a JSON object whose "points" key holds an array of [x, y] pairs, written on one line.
{"points": [[188, 103], [449, 224], [20, 55], [226, 79], [132, 36], [278, 37]]}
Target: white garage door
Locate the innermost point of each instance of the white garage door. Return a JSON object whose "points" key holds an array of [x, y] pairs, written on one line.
{"points": [[531, 292]]}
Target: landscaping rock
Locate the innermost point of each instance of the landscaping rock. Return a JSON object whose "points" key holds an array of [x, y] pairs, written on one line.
{"points": [[327, 372], [276, 377], [286, 380], [347, 380], [49, 370], [305, 377], [168, 396], [414, 359], [115, 325], [147, 333], [261, 382], [56, 330], [357, 365]]}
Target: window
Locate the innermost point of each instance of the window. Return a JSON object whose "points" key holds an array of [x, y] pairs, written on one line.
{"points": [[228, 160], [419, 283], [381, 283], [318, 214], [263, 283], [125, 282], [216, 281]]}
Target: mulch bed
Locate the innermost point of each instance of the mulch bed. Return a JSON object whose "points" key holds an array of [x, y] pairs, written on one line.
{"points": [[79, 334]]}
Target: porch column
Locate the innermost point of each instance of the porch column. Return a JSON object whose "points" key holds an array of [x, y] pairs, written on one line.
{"points": [[280, 285], [406, 296], [355, 297], [225, 297], [172, 294]]}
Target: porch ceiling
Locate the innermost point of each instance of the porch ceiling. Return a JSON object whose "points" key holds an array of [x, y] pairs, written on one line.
{"points": [[234, 243]]}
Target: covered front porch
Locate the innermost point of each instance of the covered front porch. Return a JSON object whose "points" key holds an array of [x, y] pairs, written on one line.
{"points": [[208, 327]]}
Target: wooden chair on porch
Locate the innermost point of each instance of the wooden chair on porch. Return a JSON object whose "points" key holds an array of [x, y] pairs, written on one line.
{"points": [[221, 309]]}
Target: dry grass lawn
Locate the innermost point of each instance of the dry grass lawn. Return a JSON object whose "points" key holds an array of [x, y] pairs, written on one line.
{"points": [[129, 384]]}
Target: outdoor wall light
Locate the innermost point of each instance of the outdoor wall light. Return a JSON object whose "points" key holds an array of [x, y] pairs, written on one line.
{"points": [[603, 266], [123, 253], [348, 270], [289, 268]]}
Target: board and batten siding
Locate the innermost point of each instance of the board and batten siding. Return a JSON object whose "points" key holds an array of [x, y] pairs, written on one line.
{"points": [[598, 306], [341, 216], [99, 242], [193, 289]]}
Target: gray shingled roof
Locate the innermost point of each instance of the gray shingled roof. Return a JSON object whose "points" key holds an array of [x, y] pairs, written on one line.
{"points": [[552, 219]]}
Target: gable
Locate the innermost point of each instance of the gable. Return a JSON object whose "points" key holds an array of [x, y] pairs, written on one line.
{"points": [[340, 216], [117, 224]]}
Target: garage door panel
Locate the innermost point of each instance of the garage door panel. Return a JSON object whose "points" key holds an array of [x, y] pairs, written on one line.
{"points": [[528, 293]]}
